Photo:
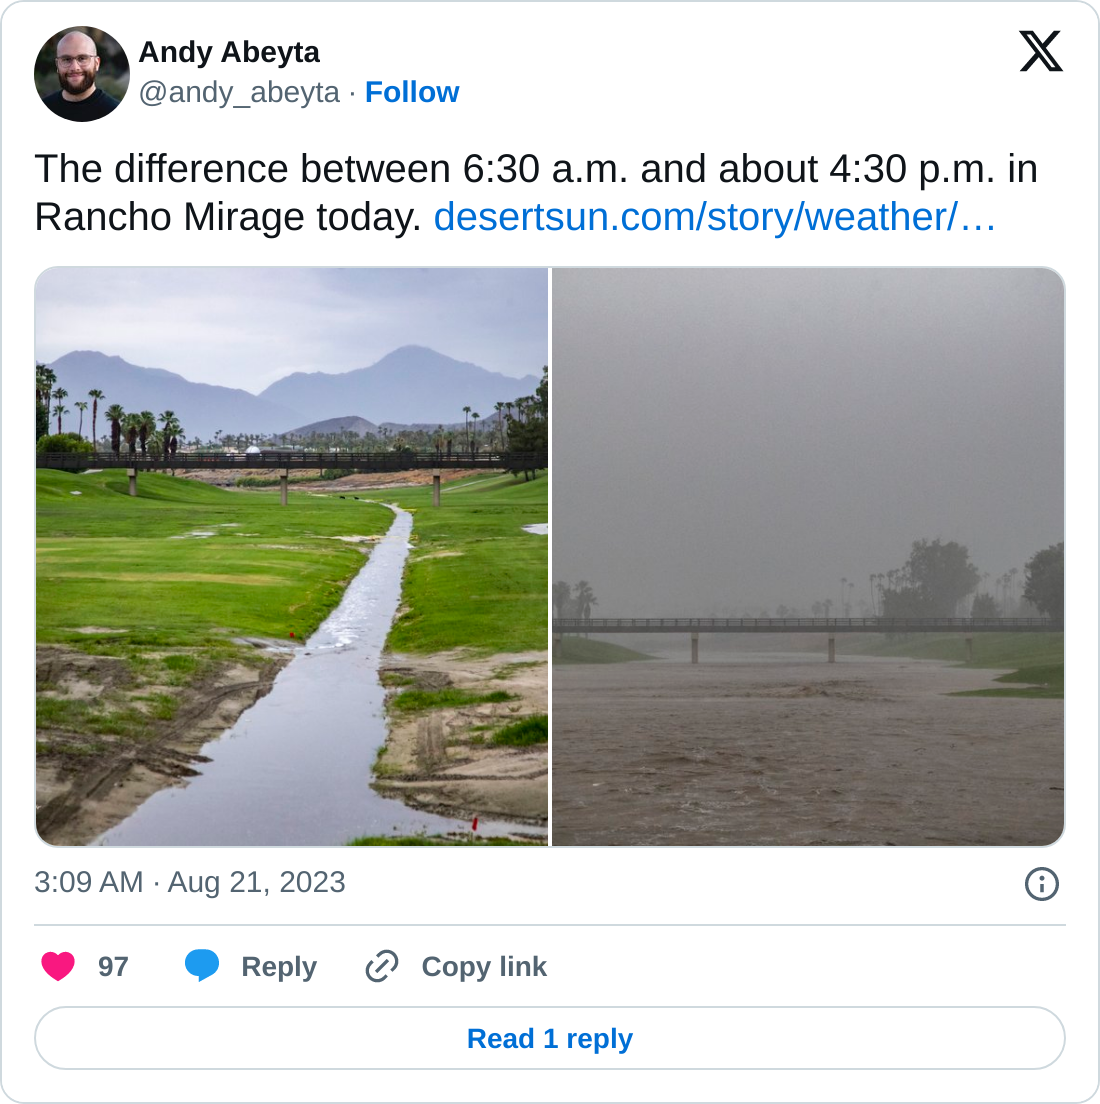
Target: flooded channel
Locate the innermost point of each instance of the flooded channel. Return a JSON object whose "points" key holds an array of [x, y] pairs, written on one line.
{"points": [[788, 749], [296, 767]]}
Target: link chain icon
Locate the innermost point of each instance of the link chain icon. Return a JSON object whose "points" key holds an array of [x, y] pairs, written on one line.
{"points": [[381, 966]]}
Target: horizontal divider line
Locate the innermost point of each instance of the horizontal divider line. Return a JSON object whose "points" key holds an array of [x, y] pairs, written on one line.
{"points": [[400, 924]]}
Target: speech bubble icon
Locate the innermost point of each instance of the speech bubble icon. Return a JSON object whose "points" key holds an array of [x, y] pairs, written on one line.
{"points": [[201, 963]]}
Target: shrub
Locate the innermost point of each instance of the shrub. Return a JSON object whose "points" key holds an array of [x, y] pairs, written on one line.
{"points": [[63, 442]]}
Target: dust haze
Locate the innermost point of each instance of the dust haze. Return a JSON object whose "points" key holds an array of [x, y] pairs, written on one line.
{"points": [[728, 441]]}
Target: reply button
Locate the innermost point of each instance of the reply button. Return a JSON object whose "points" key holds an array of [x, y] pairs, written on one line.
{"points": [[721, 1037]]}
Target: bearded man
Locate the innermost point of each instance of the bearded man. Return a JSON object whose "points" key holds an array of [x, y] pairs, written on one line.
{"points": [[78, 98]]}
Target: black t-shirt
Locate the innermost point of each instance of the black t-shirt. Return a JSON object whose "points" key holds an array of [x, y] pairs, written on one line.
{"points": [[95, 106]]}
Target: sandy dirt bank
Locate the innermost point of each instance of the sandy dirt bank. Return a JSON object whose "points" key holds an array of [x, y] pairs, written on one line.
{"points": [[442, 760], [96, 766]]}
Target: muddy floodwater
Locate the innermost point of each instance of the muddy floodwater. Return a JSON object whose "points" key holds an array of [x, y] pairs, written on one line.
{"points": [[775, 749], [296, 767]]}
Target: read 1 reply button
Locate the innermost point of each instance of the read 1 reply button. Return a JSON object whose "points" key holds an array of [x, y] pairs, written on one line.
{"points": [[1017, 1037]]}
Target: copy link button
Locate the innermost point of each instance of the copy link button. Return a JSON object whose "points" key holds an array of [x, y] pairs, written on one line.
{"points": [[381, 966]]}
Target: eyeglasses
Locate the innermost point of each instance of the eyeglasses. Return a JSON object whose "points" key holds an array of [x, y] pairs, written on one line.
{"points": [[80, 59]]}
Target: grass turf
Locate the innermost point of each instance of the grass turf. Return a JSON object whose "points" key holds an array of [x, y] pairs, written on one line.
{"points": [[111, 562], [1040, 682], [576, 649], [475, 579], [135, 568], [525, 733], [414, 701], [1036, 659]]}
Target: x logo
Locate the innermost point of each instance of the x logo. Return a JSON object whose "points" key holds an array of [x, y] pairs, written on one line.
{"points": [[1041, 52]]}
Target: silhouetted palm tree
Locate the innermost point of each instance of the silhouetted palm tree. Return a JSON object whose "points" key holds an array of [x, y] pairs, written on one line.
{"points": [[147, 425], [131, 426], [585, 599], [58, 395], [81, 406], [114, 414], [95, 395], [44, 379]]}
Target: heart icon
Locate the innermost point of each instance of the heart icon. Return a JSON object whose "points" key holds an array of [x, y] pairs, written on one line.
{"points": [[58, 965]]}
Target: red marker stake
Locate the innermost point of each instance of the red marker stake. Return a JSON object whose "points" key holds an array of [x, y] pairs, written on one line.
{"points": [[475, 825]]}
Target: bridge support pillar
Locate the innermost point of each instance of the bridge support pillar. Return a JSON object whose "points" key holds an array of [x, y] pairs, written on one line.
{"points": [[283, 480], [435, 487], [694, 647], [132, 473], [969, 649], [832, 649]]}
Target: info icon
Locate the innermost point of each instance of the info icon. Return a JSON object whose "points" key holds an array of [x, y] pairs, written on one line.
{"points": [[1041, 884]]}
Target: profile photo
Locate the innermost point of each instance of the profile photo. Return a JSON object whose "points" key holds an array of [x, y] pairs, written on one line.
{"points": [[81, 74]]}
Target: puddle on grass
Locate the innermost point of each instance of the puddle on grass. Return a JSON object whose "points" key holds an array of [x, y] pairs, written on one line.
{"points": [[295, 769]]}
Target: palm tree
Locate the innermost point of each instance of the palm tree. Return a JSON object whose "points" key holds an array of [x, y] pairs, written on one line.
{"points": [[466, 411], [171, 431], [585, 599], [169, 426], [147, 425], [81, 406], [58, 395], [59, 410], [95, 395], [475, 417], [500, 427], [44, 379], [559, 597], [131, 425], [114, 414]]}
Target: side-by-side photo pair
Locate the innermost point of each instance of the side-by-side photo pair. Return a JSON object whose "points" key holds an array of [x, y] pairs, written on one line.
{"points": [[298, 583]]}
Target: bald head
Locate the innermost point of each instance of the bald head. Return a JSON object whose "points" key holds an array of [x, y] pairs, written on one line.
{"points": [[77, 65], [76, 42]]}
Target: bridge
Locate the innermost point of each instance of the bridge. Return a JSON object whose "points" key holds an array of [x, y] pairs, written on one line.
{"points": [[283, 461], [965, 626]]}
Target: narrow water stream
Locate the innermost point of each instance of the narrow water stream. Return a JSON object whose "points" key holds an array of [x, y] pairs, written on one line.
{"points": [[296, 767]]}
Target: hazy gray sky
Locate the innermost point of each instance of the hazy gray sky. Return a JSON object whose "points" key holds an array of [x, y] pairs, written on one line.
{"points": [[247, 327], [726, 440]]}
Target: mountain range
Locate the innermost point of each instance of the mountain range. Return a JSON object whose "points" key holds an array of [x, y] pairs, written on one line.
{"points": [[412, 384]]}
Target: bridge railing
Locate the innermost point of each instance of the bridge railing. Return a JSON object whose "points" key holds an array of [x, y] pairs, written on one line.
{"points": [[281, 458], [806, 624]]}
